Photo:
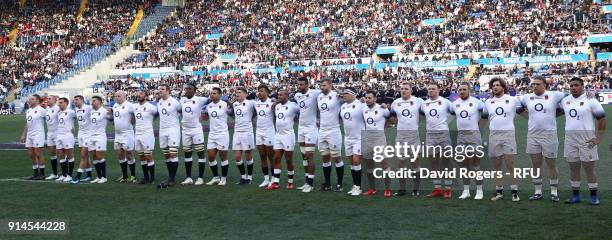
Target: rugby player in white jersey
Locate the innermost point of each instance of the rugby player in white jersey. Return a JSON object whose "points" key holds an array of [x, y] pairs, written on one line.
{"points": [[145, 113], [83, 116], [330, 138], [307, 128], [437, 136], [284, 140], [243, 140], [581, 138], [123, 118], [218, 137], [501, 109], [97, 140], [192, 134], [353, 123], [34, 136], [169, 110], [375, 117], [64, 140], [405, 113], [467, 109], [51, 117], [264, 135], [542, 139]]}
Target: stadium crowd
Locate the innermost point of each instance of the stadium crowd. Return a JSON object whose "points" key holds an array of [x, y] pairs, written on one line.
{"points": [[50, 41], [263, 31]]}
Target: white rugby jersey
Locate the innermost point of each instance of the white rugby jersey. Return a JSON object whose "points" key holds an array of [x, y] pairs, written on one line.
{"points": [[352, 119], [468, 113], [35, 120], [375, 117], [308, 108], [192, 109], [83, 115], [265, 115], [437, 113], [98, 121], [407, 112], [329, 110], [217, 117], [65, 121], [243, 115], [501, 112], [122, 117], [285, 114], [581, 113], [169, 111], [542, 110], [51, 117], [144, 114]]}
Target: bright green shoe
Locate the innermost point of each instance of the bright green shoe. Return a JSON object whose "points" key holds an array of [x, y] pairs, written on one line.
{"points": [[132, 179]]}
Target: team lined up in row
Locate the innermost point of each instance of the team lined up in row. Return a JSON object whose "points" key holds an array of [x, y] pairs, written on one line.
{"points": [[275, 137]]}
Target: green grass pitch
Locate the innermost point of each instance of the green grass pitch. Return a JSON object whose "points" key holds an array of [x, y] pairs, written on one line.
{"points": [[130, 211]]}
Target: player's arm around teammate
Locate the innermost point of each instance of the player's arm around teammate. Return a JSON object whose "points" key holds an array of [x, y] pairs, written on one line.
{"points": [[64, 141], [353, 123], [330, 137], [169, 110], [145, 113], [243, 141], [51, 119], [218, 137], [122, 115], [284, 140], [264, 136], [98, 141]]}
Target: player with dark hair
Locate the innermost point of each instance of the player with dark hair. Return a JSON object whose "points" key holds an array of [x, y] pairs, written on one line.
{"points": [[284, 141], [97, 140], [83, 116], [501, 110], [192, 132], [582, 138], [145, 113], [34, 136], [330, 138], [169, 110], [264, 135], [51, 119], [307, 129], [218, 137]]}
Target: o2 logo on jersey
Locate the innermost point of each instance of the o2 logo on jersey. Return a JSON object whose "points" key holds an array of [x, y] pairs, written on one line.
{"points": [[324, 106], [117, 114], [370, 121], [29, 118], [165, 112], [539, 107], [347, 115], [48, 117], [80, 118], [61, 121], [138, 115], [239, 112], [94, 120], [406, 113], [464, 114], [433, 113], [500, 111], [302, 104], [280, 116], [214, 114], [262, 113], [574, 114], [187, 109]]}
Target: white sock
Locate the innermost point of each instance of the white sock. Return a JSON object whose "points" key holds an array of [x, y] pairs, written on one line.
{"points": [[538, 189], [466, 188]]}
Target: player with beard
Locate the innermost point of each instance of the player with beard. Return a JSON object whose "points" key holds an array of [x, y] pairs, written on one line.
{"points": [[145, 113], [307, 129]]}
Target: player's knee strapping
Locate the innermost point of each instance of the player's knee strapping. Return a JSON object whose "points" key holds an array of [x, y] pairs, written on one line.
{"points": [[325, 152], [166, 151], [199, 147], [173, 149], [335, 153]]}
